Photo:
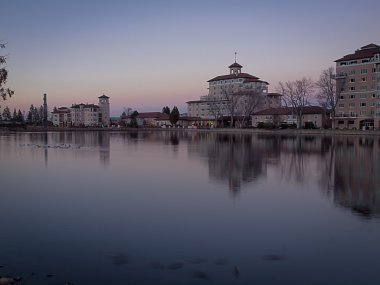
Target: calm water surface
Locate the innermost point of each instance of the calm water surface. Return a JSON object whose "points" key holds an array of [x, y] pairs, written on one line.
{"points": [[189, 208]]}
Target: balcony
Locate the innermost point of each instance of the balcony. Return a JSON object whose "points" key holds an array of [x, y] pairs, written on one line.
{"points": [[340, 76], [351, 115]]}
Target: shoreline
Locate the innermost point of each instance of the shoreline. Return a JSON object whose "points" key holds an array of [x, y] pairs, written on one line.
{"points": [[330, 132]]}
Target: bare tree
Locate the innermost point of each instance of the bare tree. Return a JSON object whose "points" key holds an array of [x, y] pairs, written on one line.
{"points": [[297, 94], [216, 109], [4, 92], [231, 98], [327, 93], [249, 102]]}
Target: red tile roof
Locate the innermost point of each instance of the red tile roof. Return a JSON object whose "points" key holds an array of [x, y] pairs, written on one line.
{"points": [[196, 101], [307, 110], [254, 80], [61, 110], [186, 118], [367, 51], [235, 64], [153, 115], [85, 106], [233, 76]]}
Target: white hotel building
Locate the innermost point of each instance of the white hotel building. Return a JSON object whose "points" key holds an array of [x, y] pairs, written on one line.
{"points": [[235, 82], [83, 115]]}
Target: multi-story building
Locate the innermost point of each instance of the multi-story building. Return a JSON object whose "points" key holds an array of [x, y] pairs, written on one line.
{"points": [[87, 115], [237, 93], [358, 89], [61, 117], [83, 115]]}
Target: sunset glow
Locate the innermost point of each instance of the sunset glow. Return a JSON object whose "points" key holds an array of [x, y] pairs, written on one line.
{"points": [[149, 54]]}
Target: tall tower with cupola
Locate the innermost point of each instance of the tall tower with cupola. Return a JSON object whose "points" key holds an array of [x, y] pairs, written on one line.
{"points": [[235, 68], [104, 112]]}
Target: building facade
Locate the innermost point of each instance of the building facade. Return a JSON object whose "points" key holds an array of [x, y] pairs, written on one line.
{"points": [[281, 116], [61, 117], [233, 94], [358, 89], [83, 115]]}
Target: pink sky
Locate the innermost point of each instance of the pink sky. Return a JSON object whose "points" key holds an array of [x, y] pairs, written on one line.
{"points": [[149, 54]]}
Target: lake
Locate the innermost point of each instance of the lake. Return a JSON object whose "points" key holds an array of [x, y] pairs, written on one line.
{"points": [[167, 207]]}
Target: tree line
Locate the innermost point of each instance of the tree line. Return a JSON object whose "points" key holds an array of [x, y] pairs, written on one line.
{"points": [[303, 92], [34, 116]]}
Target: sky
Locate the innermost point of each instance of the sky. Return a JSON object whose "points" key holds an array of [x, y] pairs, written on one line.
{"points": [[148, 54]]}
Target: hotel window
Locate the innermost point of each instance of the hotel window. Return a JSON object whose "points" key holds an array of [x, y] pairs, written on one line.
{"points": [[364, 79], [352, 104], [363, 96], [352, 96], [352, 80], [365, 60], [363, 88], [352, 72], [341, 97], [341, 105], [363, 104], [352, 88], [363, 71], [363, 113]]}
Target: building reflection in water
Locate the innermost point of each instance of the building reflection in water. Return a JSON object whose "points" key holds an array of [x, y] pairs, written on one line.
{"points": [[241, 159], [233, 159], [345, 167], [83, 143], [357, 180]]}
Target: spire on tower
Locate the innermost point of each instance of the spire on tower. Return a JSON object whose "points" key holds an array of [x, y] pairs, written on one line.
{"points": [[235, 56]]}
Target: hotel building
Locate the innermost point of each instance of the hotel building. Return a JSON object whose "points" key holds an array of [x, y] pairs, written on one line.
{"points": [[358, 89], [233, 84], [83, 115]]}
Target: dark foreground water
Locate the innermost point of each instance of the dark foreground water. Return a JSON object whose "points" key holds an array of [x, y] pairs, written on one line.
{"points": [[189, 208]]}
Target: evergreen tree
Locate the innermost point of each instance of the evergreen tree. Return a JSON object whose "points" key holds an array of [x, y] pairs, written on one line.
{"points": [[133, 123], [166, 110], [33, 115], [7, 114], [41, 114], [174, 115], [14, 117], [123, 119], [20, 116]]}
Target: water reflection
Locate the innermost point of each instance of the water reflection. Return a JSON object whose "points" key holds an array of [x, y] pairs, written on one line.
{"points": [[70, 141], [343, 166], [155, 207], [356, 174]]}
